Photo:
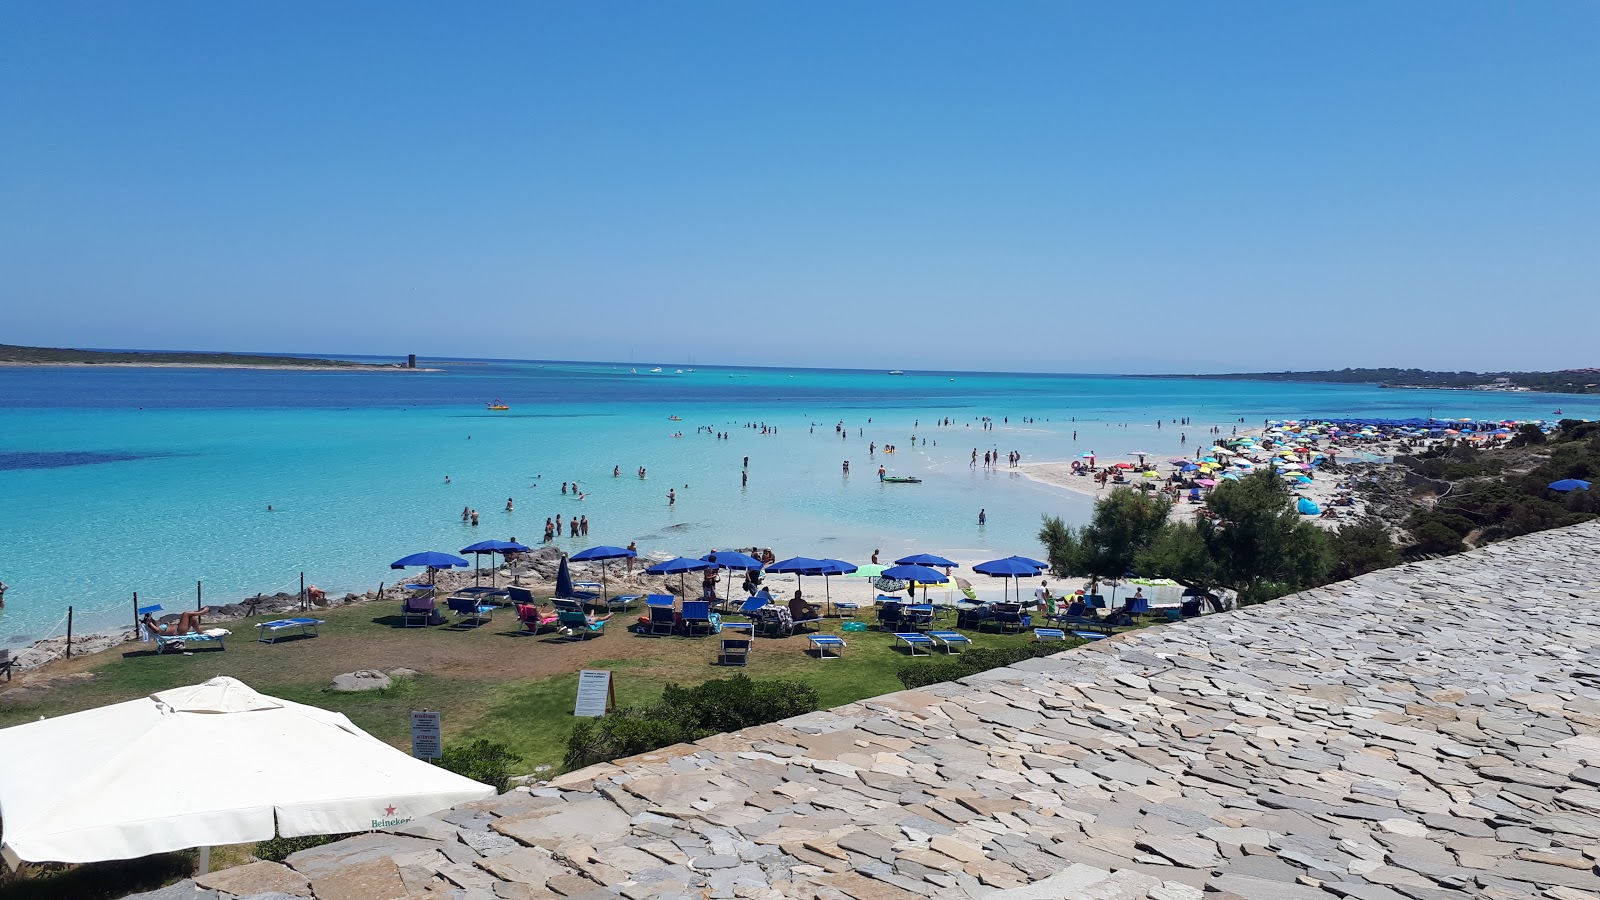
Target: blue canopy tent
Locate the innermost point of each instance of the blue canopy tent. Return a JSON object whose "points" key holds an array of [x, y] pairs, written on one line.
{"points": [[1010, 568], [601, 554], [679, 566], [491, 547], [1567, 485], [432, 559]]}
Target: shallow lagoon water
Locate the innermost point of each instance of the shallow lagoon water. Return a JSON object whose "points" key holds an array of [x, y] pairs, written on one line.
{"points": [[121, 480]]}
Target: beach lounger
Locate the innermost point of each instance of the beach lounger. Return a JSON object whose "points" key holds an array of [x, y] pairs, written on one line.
{"points": [[471, 611], [182, 642], [578, 624], [532, 619], [889, 615], [827, 646], [1090, 635], [666, 600], [917, 616], [697, 615], [951, 640], [663, 619], [1008, 616], [1049, 634], [815, 623], [914, 640], [740, 627], [734, 651], [268, 632], [622, 602], [416, 612], [1095, 601], [846, 609]]}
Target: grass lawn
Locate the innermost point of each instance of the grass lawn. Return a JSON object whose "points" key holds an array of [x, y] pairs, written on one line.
{"points": [[488, 682]]}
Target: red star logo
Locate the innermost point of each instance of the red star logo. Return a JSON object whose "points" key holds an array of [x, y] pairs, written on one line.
{"points": [[388, 810]]}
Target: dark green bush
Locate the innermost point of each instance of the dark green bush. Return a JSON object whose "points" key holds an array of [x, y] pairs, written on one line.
{"points": [[923, 673], [1360, 547], [278, 848], [1435, 538], [482, 760], [687, 714]]}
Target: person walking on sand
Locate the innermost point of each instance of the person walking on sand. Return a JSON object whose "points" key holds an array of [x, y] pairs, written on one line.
{"points": [[634, 546]]}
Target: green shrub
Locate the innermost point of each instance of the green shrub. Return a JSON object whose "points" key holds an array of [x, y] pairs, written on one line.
{"points": [[1435, 538], [687, 714], [278, 848], [1360, 547], [923, 673], [482, 760]]}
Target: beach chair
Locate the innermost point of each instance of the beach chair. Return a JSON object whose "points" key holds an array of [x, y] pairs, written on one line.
{"points": [[814, 622], [917, 616], [1049, 634], [1095, 601], [951, 640], [1139, 606], [828, 646], [739, 627], [696, 615], [471, 611], [416, 611], [182, 641], [889, 615], [654, 601], [532, 619], [663, 619], [846, 609], [915, 641], [623, 602], [268, 632], [578, 625], [1090, 635], [734, 651], [6, 662], [1008, 616]]}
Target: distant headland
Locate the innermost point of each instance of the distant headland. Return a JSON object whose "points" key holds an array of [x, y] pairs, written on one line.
{"points": [[12, 355], [1566, 381]]}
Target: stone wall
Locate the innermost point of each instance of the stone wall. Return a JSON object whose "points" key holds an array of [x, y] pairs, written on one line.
{"points": [[1429, 731]]}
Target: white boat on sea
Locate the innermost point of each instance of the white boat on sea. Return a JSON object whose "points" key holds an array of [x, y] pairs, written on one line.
{"points": [[896, 372], [656, 371]]}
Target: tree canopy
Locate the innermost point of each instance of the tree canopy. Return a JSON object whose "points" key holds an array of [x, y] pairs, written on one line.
{"points": [[1125, 521]]}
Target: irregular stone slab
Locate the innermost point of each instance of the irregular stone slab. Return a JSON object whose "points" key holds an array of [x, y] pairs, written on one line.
{"points": [[257, 878]]}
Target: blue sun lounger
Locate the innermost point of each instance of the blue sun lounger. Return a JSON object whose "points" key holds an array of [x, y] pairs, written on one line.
{"points": [[267, 632], [827, 646], [1090, 635], [179, 641], [951, 640], [1049, 634], [914, 640]]}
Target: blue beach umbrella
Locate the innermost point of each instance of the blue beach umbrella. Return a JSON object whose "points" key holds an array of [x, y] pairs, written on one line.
{"points": [[601, 554], [925, 559], [831, 567], [491, 548], [732, 559], [1041, 566], [432, 559], [679, 566], [1569, 484], [1009, 568], [564, 579], [798, 566], [916, 574]]}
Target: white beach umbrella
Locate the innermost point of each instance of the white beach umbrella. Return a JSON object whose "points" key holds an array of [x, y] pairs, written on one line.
{"points": [[123, 781]]}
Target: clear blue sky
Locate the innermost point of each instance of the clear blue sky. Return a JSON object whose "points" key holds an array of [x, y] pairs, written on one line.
{"points": [[1041, 186]]}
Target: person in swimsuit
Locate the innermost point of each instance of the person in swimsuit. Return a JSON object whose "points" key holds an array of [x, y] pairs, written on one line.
{"points": [[188, 623]]}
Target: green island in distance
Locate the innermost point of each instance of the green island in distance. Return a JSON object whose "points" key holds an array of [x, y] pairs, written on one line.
{"points": [[1566, 381], [11, 354]]}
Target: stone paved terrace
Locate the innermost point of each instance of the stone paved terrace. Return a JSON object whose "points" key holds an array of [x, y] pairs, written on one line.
{"points": [[1430, 731]]}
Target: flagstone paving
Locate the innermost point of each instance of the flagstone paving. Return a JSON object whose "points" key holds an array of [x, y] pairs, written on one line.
{"points": [[1428, 731]]}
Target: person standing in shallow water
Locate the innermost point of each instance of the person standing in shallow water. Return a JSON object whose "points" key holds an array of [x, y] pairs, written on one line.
{"points": [[983, 517]]}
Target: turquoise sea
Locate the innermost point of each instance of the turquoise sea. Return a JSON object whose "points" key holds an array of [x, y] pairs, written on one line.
{"points": [[124, 479]]}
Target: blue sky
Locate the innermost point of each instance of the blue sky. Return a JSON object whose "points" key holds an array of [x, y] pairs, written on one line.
{"points": [[1033, 186]]}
